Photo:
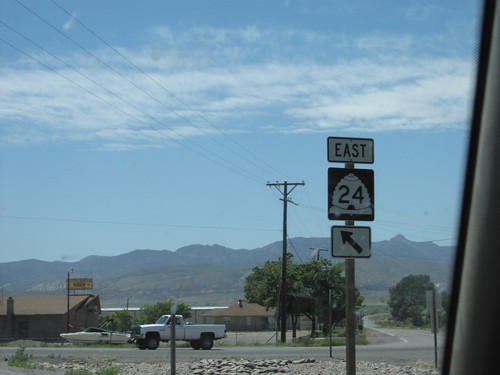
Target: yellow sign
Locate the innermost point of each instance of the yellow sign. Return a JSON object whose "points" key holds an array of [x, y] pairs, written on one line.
{"points": [[80, 284]]}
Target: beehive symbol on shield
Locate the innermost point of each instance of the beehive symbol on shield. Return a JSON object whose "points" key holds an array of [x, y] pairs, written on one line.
{"points": [[350, 194]]}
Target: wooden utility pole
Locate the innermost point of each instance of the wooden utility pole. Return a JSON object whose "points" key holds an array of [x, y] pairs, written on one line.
{"points": [[67, 311], [282, 303]]}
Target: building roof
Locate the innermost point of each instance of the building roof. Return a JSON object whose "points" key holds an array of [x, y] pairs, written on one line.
{"points": [[242, 308], [117, 309], [46, 305]]}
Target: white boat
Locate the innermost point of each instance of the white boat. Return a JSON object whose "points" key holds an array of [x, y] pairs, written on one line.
{"points": [[93, 335]]}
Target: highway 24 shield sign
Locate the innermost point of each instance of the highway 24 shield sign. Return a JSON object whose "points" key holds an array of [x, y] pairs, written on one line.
{"points": [[351, 194]]}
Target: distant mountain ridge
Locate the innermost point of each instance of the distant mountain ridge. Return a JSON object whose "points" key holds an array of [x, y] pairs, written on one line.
{"points": [[214, 274]]}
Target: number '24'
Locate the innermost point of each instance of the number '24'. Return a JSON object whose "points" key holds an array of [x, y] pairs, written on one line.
{"points": [[345, 193]]}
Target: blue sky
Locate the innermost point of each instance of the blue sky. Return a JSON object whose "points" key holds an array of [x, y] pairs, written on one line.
{"points": [[155, 125]]}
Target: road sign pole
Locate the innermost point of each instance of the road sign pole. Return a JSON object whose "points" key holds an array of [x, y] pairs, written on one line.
{"points": [[173, 326], [435, 325], [350, 317], [433, 304], [330, 320], [350, 303], [350, 198]]}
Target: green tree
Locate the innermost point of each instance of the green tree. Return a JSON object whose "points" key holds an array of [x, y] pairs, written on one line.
{"points": [[118, 321], [407, 299], [151, 313], [308, 286], [262, 284], [318, 278]]}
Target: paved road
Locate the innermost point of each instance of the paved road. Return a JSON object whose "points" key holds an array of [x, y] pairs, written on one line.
{"points": [[400, 346], [395, 346]]}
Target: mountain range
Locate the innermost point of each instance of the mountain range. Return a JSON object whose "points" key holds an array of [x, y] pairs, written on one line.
{"points": [[214, 275]]}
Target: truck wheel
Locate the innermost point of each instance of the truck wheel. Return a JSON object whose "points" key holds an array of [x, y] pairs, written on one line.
{"points": [[207, 343], [141, 344], [195, 344], [152, 342]]}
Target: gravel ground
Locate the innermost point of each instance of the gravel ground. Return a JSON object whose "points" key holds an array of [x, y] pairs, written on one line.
{"points": [[228, 366]]}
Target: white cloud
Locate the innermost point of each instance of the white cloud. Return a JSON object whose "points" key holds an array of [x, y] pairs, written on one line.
{"points": [[431, 95], [216, 73]]}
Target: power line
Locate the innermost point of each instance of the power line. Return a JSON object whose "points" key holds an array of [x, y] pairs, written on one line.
{"points": [[236, 168], [198, 114], [294, 249], [127, 79], [310, 204], [195, 150], [421, 226], [38, 218], [144, 91]]}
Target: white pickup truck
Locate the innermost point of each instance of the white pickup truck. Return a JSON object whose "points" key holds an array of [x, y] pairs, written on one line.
{"points": [[200, 336]]}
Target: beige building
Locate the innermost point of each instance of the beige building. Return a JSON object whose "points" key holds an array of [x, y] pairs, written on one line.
{"points": [[45, 317], [241, 316]]}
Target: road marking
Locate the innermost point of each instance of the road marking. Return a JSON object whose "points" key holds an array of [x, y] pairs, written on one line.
{"points": [[389, 334], [384, 332]]}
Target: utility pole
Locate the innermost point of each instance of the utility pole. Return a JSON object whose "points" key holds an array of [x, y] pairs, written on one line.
{"points": [[317, 250], [285, 199], [67, 312]]}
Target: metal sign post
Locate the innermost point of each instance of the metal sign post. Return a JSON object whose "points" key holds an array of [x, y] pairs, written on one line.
{"points": [[350, 303], [350, 197], [434, 326], [330, 321], [173, 323], [433, 303]]}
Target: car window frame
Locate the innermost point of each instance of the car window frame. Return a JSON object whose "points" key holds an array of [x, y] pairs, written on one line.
{"points": [[473, 329]]}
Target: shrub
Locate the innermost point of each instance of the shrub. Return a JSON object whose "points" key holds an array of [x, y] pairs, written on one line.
{"points": [[21, 359]]}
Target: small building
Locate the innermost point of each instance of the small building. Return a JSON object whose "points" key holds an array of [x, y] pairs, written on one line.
{"points": [[197, 311], [45, 317], [241, 316], [108, 311]]}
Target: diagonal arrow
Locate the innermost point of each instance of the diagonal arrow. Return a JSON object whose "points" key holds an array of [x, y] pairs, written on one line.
{"points": [[347, 238]]}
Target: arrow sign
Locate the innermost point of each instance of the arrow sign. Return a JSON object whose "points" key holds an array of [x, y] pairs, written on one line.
{"points": [[351, 241], [347, 238]]}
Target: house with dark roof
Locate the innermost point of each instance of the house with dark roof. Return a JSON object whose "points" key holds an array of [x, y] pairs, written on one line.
{"points": [[241, 316], [45, 317]]}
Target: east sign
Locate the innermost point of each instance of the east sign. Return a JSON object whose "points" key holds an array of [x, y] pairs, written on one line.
{"points": [[350, 150]]}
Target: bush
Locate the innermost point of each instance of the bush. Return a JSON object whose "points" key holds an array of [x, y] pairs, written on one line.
{"points": [[407, 300], [21, 359]]}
